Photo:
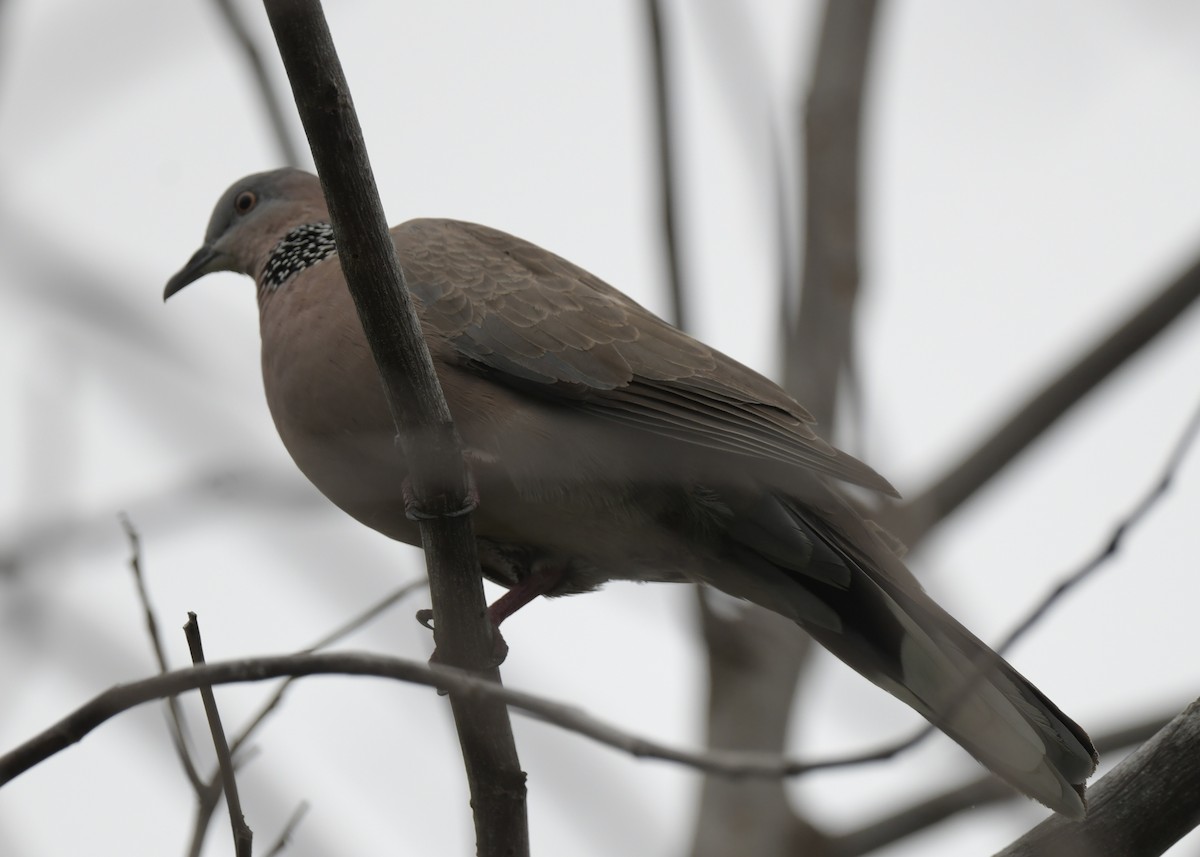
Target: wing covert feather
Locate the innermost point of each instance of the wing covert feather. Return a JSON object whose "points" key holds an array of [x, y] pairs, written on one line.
{"points": [[532, 319]]}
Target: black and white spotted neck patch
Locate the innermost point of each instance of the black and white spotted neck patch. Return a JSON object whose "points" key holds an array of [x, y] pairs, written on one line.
{"points": [[301, 248]]}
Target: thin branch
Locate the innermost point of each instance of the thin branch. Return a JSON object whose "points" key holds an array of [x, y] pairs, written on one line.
{"points": [[328, 640], [289, 829], [243, 838], [206, 807], [75, 726], [208, 799], [175, 719], [258, 69], [1142, 508], [668, 182], [425, 429], [1139, 809], [982, 791], [120, 698], [373, 273], [210, 794], [912, 521]]}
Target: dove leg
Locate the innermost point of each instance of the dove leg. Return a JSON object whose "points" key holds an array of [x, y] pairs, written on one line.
{"points": [[542, 578]]}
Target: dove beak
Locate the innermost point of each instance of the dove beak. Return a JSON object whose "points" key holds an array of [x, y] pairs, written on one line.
{"points": [[206, 260]]}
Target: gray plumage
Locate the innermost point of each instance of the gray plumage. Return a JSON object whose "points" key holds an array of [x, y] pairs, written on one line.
{"points": [[607, 445]]}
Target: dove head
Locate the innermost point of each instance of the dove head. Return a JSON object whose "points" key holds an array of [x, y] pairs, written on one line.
{"points": [[250, 220]]}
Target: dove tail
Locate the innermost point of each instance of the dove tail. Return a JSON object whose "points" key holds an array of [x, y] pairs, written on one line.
{"points": [[882, 625]]}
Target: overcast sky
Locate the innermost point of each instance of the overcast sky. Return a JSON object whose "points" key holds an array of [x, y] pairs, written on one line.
{"points": [[1032, 174]]}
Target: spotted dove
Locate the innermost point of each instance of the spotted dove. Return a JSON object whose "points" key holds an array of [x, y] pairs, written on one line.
{"points": [[605, 444]]}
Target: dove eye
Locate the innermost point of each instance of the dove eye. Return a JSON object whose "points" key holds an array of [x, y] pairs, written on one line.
{"points": [[245, 201]]}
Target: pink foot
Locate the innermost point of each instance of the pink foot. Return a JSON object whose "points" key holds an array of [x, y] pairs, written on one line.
{"points": [[540, 580]]}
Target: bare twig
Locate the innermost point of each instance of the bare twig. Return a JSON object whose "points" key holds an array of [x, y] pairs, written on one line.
{"points": [[1186, 439], [424, 426], [911, 521], [208, 799], [175, 719], [209, 795], [243, 838], [258, 69], [285, 835]]}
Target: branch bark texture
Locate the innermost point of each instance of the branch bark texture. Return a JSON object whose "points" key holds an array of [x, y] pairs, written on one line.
{"points": [[1140, 809]]}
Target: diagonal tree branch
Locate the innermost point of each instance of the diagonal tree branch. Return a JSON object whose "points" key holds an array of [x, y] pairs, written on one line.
{"points": [[175, 717], [1142, 508], [422, 417], [208, 794], [1139, 809], [912, 521], [982, 791], [289, 830], [242, 836], [258, 70]]}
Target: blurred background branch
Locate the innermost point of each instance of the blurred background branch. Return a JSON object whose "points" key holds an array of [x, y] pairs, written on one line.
{"points": [[911, 520], [756, 658], [273, 106]]}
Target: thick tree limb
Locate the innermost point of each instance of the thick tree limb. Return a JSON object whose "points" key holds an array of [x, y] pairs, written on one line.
{"points": [[819, 340], [1140, 809]]}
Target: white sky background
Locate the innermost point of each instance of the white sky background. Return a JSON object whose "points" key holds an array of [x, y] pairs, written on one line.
{"points": [[1032, 174]]}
